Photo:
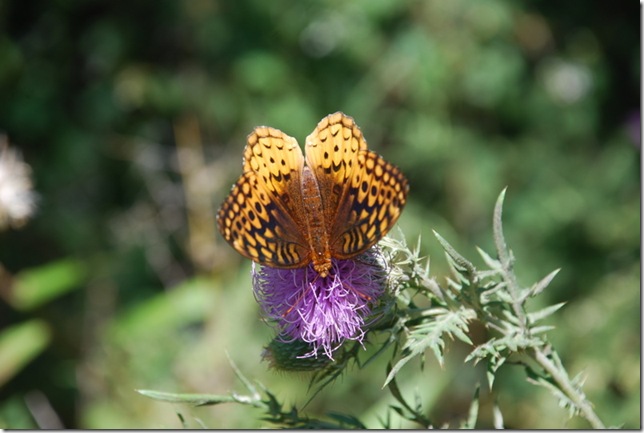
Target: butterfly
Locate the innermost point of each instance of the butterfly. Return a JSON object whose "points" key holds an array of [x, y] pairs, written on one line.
{"points": [[288, 211]]}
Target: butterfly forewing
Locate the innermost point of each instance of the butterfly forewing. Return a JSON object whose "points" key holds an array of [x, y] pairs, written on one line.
{"points": [[261, 218], [332, 152], [363, 194]]}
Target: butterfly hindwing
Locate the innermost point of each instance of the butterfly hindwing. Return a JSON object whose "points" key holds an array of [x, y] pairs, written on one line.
{"points": [[377, 195]]}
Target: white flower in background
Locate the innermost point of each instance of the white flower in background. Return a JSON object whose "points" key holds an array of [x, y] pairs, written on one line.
{"points": [[566, 81], [17, 199]]}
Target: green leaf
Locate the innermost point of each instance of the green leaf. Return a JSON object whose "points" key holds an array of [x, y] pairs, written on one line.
{"points": [[323, 377], [15, 414], [564, 401], [541, 329], [287, 356], [37, 286], [545, 312], [193, 399], [538, 287], [497, 227], [473, 413], [431, 333], [247, 383], [396, 368], [458, 259], [492, 263], [413, 414], [393, 388], [494, 293], [493, 351], [497, 416], [19, 345], [347, 421], [189, 302], [493, 365]]}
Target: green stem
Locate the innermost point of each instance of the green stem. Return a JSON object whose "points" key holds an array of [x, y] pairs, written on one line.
{"points": [[563, 382], [558, 374]]}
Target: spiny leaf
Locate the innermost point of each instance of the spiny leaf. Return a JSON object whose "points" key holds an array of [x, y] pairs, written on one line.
{"points": [[538, 287], [564, 400], [194, 399], [511, 318], [332, 371], [249, 386], [487, 274], [541, 329], [497, 227], [543, 313], [492, 263], [431, 285], [430, 334], [493, 295], [503, 295], [458, 259], [347, 421], [497, 416], [416, 414], [473, 413], [396, 368], [493, 365], [393, 388], [287, 356]]}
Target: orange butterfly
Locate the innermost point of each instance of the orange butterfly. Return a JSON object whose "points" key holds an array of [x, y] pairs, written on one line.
{"points": [[286, 211]]}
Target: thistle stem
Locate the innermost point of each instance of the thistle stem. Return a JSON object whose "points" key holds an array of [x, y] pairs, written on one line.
{"points": [[564, 384]]}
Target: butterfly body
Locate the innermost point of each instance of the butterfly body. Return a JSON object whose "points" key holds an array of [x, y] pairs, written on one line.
{"points": [[318, 237], [288, 211]]}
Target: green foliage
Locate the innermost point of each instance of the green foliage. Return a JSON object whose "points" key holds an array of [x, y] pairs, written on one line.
{"points": [[36, 287], [491, 296], [274, 411], [287, 356], [133, 118], [19, 344]]}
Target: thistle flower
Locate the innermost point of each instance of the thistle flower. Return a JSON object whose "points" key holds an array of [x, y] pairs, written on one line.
{"points": [[321, 311], [17, 199]]}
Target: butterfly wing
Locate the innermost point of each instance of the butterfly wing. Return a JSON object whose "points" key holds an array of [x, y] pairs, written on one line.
{"points": [[261, 217], [363, 195]]}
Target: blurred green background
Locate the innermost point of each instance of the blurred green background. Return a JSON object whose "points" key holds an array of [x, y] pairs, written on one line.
{"points": [[134, 116]]}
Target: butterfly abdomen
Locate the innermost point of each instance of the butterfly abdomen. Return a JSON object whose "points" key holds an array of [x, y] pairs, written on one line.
{"points": [[316, 228]]}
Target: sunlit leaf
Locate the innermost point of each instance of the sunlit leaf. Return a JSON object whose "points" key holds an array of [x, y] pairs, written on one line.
{"points": [[37, 286], [20, 344], [193, 399]]}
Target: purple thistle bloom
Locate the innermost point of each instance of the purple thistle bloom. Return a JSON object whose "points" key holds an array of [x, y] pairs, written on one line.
{"points": [[323, 312]]}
